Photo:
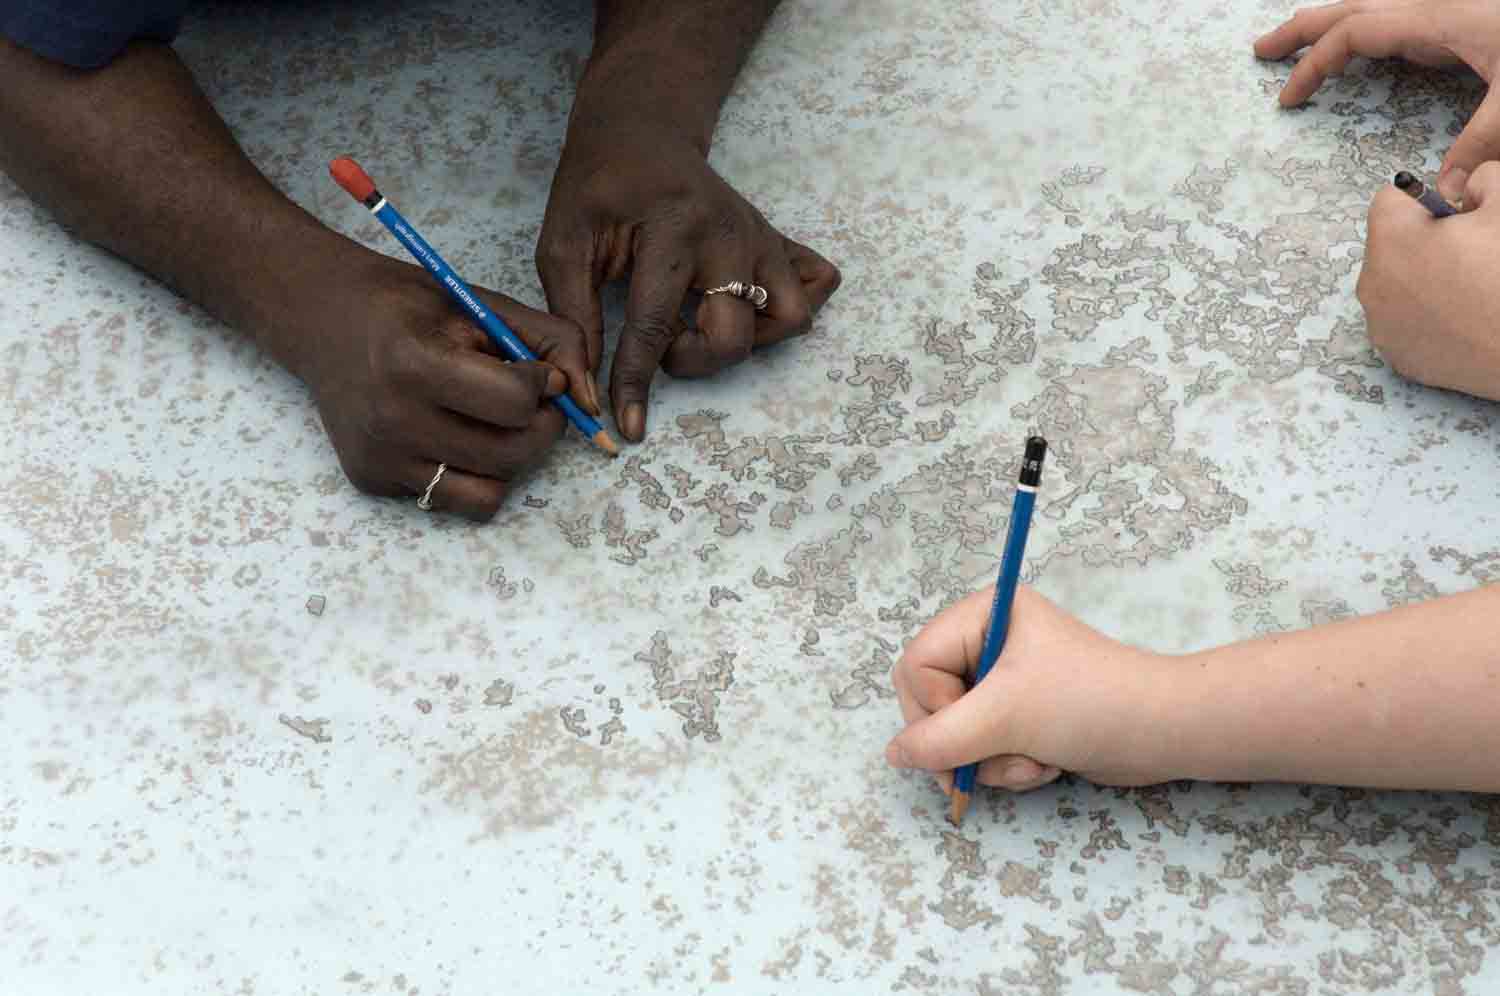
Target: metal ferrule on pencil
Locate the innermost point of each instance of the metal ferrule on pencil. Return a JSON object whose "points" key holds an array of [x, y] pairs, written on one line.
{"points": [[1423, 195]]}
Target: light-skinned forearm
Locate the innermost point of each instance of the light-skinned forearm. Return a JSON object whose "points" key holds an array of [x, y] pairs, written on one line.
{"points": [[133, 158], [1404, 699]]}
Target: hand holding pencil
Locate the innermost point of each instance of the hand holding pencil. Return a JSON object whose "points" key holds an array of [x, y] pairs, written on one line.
{"points": [[1428, 286], [969, 682], [1061, 697], [405, 382]]}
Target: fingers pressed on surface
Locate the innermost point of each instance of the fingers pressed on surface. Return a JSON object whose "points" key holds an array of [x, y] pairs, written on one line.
{"points": [[725, 332], [1477, 144], [1301, 30], [660, 281], [1482, 186], [788, 312], [1376, 34]]}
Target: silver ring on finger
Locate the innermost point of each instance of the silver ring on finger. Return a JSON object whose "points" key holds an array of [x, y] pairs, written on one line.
{"points": [[757, 295], [425, 502]]}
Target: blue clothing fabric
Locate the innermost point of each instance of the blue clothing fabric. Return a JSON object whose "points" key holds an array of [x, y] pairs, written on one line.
{"points": [[87, 34]]}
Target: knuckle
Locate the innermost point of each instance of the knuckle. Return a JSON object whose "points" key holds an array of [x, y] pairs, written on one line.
{"points": [[655, 329], [1387, 212], [399, 361], [514, 408], [565, 336], [1488, 172], [383, 416], [727, 351], [489, 504], [798, 316], [675, 215], [725, 225], [554, 251], [632, 379], [835, 277], [361, 473], [898, 675]]}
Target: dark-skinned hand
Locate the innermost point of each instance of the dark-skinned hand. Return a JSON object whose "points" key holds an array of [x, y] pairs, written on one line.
{"points": [[404, 381], [633, 197]]}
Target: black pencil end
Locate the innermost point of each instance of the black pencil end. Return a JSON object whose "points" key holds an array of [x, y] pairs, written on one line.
{"points": [[1031, 462]]}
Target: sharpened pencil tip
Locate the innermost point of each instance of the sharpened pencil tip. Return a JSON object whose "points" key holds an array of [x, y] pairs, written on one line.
{"points": [[606, 442], [960, 806]]}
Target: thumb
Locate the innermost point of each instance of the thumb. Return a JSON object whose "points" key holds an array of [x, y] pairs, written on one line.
{"points": [[1483, 185], [969, 730], [1479, 143]]}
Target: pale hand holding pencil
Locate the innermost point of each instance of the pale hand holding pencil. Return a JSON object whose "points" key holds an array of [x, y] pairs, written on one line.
{"points": [[1054, 701], [1430, 287], [1308, 706]]}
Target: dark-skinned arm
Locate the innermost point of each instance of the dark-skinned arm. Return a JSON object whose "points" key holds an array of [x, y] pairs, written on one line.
{"points": [[132, 157], [679, 58]]}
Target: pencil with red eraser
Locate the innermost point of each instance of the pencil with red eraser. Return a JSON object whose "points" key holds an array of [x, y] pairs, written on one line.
{"points": [[348, 174]]}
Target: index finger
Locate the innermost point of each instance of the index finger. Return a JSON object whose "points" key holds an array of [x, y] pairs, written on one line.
{"points": [[939, 660], [502, 394], [456, 368], [1305, 27], [1392, 211], [952, 640], [1374, 35], [652, 320]]}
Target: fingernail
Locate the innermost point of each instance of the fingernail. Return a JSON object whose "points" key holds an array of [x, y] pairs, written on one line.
{"points": [[896, 756], [592, 386], [634, 423], [1452, 181], [557, 383]]}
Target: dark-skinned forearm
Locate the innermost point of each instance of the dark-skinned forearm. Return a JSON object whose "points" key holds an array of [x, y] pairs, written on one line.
{"points": [[672, 60], [132, 157]]}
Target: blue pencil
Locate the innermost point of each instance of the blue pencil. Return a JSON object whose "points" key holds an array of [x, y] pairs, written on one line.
{"points": [[1005, 594], [357, 182]]}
